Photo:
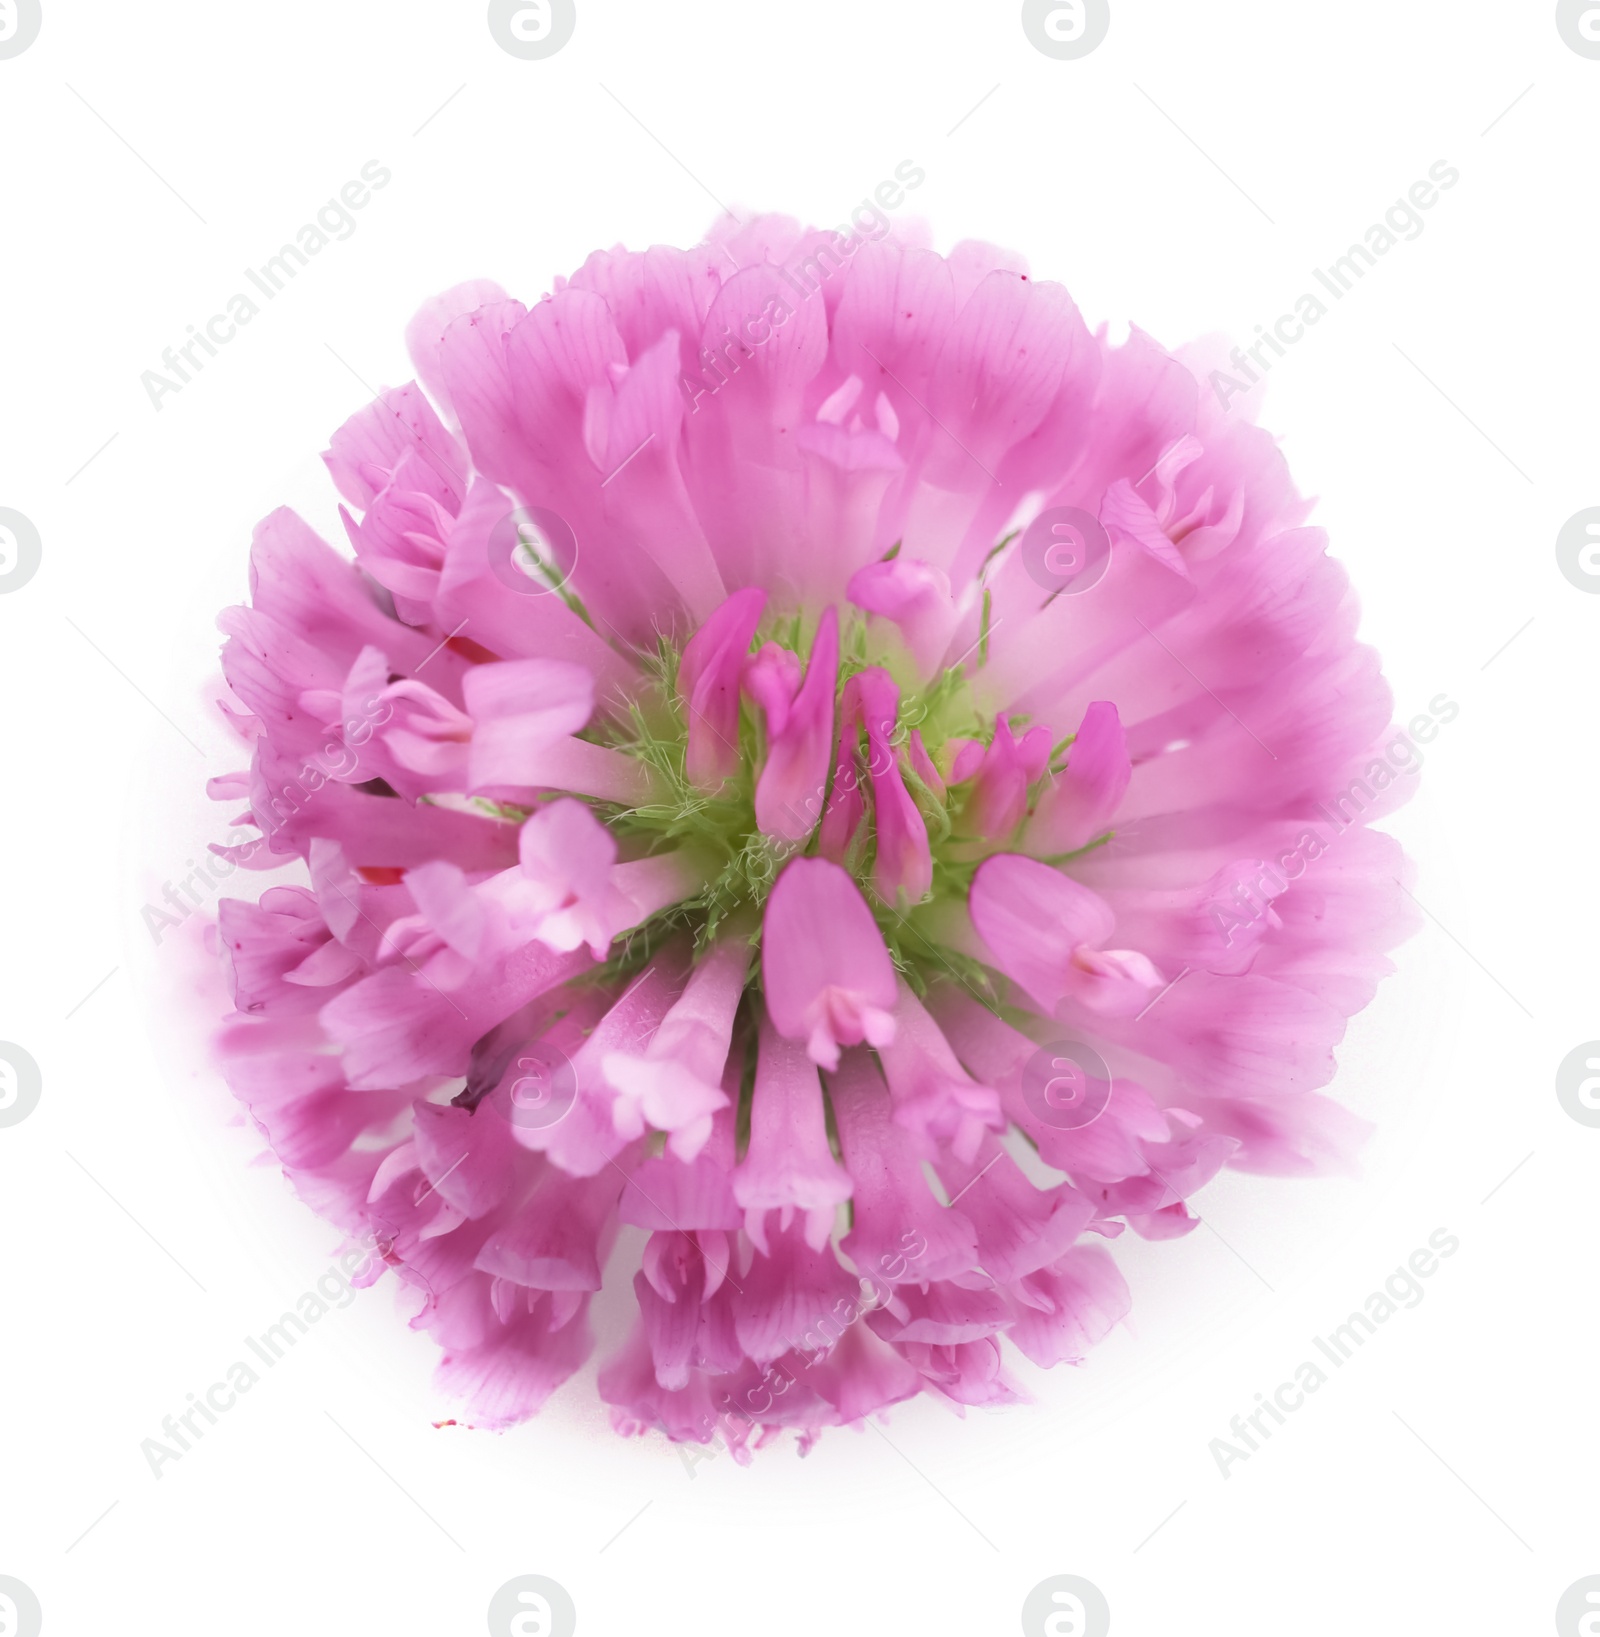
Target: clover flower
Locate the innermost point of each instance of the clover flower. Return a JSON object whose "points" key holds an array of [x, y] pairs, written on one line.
{"points": [[821, 793]]}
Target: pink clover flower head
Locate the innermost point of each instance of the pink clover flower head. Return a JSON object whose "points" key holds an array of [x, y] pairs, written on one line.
{"points": [[812, 756]]}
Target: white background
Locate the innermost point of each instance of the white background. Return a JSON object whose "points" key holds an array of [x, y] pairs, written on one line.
{"points": [[1187, 177]]}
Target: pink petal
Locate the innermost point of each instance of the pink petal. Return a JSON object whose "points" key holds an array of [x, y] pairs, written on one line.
{"points": [[998, 801], [789, 793], [915, 596], [1083, 800], [788, 1164], [933, 1095], [1034, 919], [903, 867], [708, 684], [676, 1085], [827, 977], [520, 710]]}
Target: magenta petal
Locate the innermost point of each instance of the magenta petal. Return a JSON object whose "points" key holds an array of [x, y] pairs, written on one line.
{"points": [[899, 1232], [772, 679], [903, 868], [933, 1094], [708, 683], [521, 709], [426, 331], [676, 1084], [294, 1097], [447, 904], [365, 451], [846, 807], [787, 1296], [474, 599], [922, 765], [915, 597], [1020, 1227], [558, 1239], [1083, 800], [864, 1375], [668, 1193], [1071, 1306], [1032, 918], [827, 976], [672, 1289], [470, 1161], [510, 1375], [789, 1164], [566, 866], [998, 800], [789, 794]]}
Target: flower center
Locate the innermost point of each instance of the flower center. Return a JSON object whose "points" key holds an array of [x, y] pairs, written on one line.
{"points": [[822, 740]]}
